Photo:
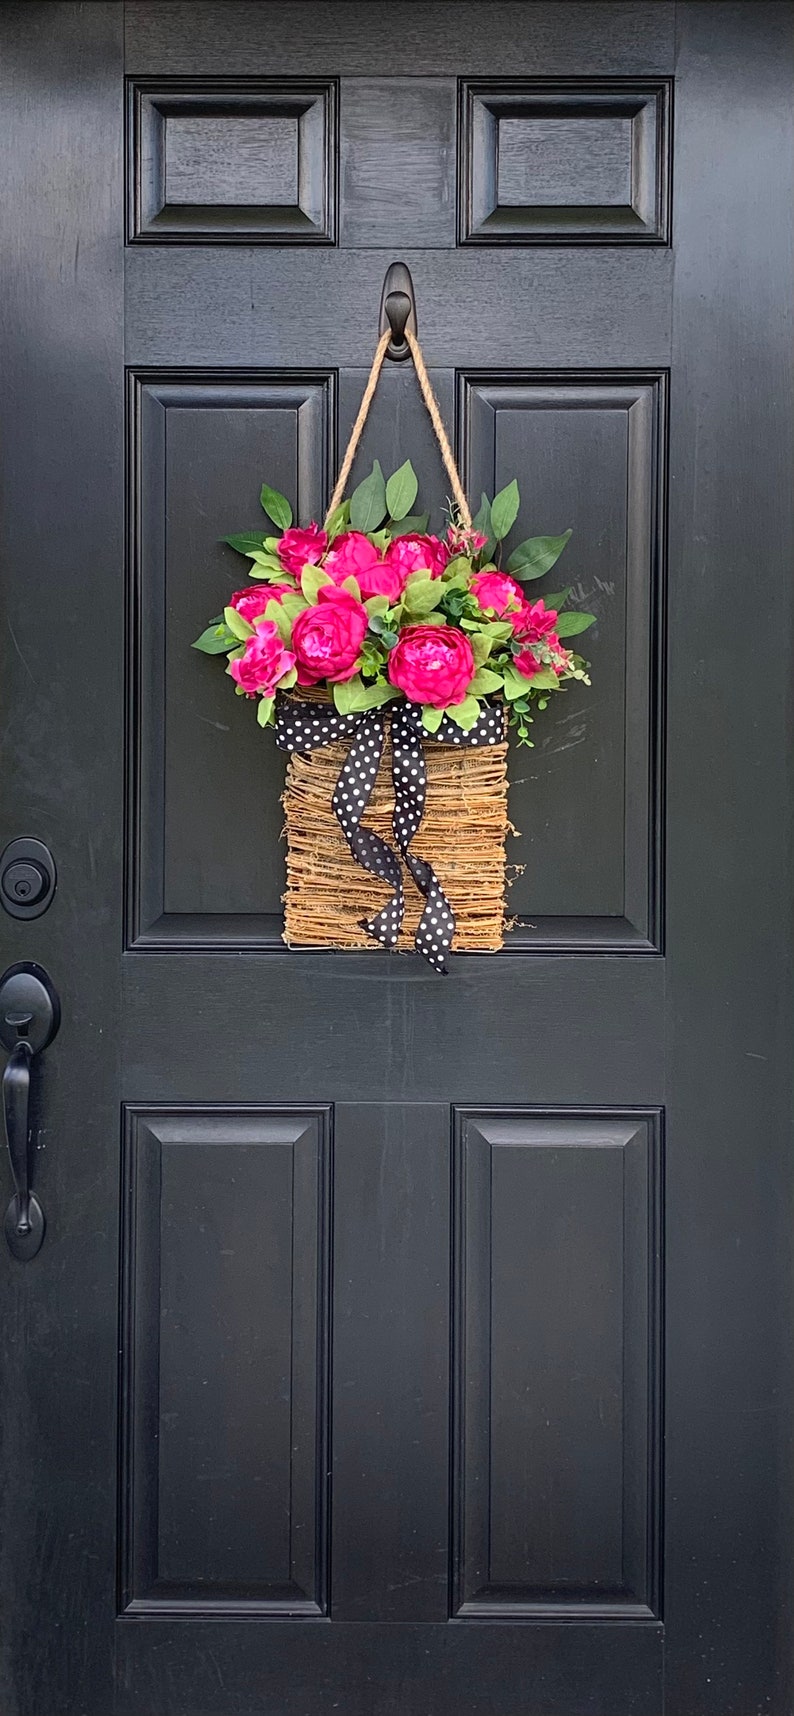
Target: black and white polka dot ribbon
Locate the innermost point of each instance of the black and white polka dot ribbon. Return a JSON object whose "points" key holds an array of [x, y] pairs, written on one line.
{"points": [[305, 726]]}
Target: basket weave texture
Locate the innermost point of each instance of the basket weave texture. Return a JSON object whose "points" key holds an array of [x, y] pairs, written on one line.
{"points": [[462, 834]]}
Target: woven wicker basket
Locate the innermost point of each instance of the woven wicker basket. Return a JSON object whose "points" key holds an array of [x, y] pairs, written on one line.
{"points": [[462, 834]]}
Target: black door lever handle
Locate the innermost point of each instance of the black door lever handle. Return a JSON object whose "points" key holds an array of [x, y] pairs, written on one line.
{"points": [[29, 1018]]}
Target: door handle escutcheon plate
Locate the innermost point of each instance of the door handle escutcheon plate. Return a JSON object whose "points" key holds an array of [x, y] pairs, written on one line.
{"points": [[30, 1014]]}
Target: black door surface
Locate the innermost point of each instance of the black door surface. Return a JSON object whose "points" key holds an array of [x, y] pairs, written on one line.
{"points": [[400, 1346]]}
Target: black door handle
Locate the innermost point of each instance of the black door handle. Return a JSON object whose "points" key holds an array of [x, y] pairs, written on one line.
{"points": [[29, 1018]]}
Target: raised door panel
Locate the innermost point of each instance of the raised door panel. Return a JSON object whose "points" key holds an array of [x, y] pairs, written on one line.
{"points": [[589, 454], [205, 813], [223, 1361], [557, 1359]]}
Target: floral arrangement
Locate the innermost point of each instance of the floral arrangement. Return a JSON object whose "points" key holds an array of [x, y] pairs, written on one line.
{"points": [[372, 608]]}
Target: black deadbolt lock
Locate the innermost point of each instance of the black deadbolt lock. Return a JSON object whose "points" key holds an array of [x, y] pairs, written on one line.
{"points": [[27, 878]]}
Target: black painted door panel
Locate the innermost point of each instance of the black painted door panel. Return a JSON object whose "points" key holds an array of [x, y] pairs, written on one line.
{"points": [[401, 1347]]}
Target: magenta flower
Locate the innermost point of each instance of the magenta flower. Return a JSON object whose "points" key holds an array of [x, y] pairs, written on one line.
{"points": [[499, 592], [432, 664], [252, 602], [327, 638], [264, 661], [299, 548], [416, 553]]}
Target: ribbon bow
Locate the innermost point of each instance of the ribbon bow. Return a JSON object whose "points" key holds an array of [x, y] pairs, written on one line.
{"points": [[306, 726]]}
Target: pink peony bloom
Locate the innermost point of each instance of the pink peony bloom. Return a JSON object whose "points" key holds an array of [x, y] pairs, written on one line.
{"points": [[499, 592], [415, 553], [536, 621], [264, 662], [299, 548], [327, 638], [252, 602], [354, 556], [432, 664]]}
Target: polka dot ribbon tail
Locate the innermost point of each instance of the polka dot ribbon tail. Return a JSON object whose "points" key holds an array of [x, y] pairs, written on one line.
{"points": [[303, 727]]}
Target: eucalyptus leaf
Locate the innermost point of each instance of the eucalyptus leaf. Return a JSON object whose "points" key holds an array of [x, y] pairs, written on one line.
{"points": [[276, 506], [414, 526], [237, 624], [401, 491], [536, 556], [368, 501], [569, 625], [504, 510]]}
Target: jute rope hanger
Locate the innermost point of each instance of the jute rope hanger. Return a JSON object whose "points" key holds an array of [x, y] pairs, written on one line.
{"points": [[434, 414]]}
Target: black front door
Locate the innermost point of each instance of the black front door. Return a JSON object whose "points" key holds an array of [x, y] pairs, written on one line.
{"points": [[400, 1346]]}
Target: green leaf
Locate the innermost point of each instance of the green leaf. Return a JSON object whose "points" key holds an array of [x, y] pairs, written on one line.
{"points": [[265, 711], [338, 520], [421, 595], [388, 639], [482, 519], [545, 680], [569, 625], [480, 647], [353, 697], [431, 718], [237, 624], [556, 600], [401, 490], [276, 506], [414, 526], [504, 510], [457, 572], [293, 605], [368, 501], [275, 612], [312, 580], [288, 680], [376, 605], [344, 695], [377, 624], [352, 586], [516, 685], [376, 695], [485, 681], [536, 556], [246, 541], [465, 714], [216, 640]]}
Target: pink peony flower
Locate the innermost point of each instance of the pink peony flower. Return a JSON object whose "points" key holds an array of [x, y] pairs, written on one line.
{"points": [[432, 664], [252, 602], [264, 662], [536, 621], [327, 638], [299, 548], [498, 591], [414, 553], [354, 556]]}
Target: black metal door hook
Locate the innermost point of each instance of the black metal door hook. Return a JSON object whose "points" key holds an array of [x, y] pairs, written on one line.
{"points": [[398, 310]]}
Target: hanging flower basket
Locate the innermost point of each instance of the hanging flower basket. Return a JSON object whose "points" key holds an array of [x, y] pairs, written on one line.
{"points": [[389, 662]]}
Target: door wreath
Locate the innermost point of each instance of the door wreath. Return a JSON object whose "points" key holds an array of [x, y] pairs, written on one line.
{"points": [[367, 637]]}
